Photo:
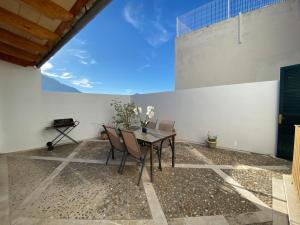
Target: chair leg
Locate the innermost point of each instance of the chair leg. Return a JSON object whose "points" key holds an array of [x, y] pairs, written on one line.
{"points": [[124, 162], [113, 154], [159, 157], [143, 164], [121, 164], [108, 156]]}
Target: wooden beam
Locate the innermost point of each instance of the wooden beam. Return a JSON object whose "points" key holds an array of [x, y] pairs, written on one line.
{"points": [[50, 9], [12, 51], [20, 23], [77, 7], [20, 42], [15, 60]]}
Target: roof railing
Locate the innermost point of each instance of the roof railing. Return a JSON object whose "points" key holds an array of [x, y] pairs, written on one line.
{"points": [[217, 11]]}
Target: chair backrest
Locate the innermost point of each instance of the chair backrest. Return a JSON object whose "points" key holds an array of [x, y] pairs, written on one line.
{"points": [[114, 138], [152, 124], [131, 143], [166, 125]]}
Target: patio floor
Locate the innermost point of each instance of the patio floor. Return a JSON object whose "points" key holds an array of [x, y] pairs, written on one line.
{"points": [[71, 185]]}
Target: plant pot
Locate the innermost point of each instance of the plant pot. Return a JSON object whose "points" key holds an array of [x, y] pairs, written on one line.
{"points": [[212, 144], [144, 129], [103, 136]]}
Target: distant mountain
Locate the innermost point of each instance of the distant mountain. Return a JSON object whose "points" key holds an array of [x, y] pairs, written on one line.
{"points": [[50, 84]]}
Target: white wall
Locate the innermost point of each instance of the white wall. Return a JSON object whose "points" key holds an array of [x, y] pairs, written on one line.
{"points": [[213, 56], [26, 110], [243, 115]]}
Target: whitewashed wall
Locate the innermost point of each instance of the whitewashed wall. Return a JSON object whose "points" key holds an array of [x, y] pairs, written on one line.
{"points": [[242, 115], [26, 110], [214, 56]]}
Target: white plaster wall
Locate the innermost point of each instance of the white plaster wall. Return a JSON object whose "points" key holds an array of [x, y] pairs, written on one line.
{"points": [[213, 56], [242, 115], [26, 110]]}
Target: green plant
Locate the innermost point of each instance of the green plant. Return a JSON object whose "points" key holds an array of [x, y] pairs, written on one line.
{"points": [[124, 113]]}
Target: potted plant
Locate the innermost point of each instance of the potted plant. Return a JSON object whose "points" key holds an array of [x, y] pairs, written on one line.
{"points": [[211, 141], [149, 115], [124, 113], [103, 135]]}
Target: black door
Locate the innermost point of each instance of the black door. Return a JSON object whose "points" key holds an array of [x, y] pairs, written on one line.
{"points": [[289, 110]]}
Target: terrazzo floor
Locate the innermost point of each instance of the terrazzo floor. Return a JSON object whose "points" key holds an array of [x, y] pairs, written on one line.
{"points": [[72, 185]]}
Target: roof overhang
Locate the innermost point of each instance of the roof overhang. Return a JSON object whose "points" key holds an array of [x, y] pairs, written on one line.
{"points": [[32, 31]]}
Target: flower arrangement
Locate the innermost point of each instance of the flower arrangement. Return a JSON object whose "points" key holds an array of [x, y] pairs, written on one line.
{"points": [[149, 115]]}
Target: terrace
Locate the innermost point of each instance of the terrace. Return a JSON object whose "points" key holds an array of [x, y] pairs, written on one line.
{"points": [[249, 179], [72, 185]]}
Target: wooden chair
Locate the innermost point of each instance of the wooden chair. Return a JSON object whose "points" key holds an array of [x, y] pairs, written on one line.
{"points": [[116, 144], [152, 124], [134, 150], [164, 125]]}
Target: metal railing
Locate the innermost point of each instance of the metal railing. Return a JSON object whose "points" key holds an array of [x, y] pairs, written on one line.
{"points": [[216, 11]]}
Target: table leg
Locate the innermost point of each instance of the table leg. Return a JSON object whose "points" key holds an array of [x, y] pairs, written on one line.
{"points": [[151, 163], [112, 153], [173, 151]]}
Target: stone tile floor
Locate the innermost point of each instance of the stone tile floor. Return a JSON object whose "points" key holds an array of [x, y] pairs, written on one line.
{"points": [[72, 185]]}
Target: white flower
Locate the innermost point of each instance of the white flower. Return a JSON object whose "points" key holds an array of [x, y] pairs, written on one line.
{"points": [[135, 110], [150, 114], [150, 108], [140, 109]]}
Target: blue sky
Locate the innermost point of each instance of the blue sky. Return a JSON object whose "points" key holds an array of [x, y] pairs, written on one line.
{"points": [[128, 48]]}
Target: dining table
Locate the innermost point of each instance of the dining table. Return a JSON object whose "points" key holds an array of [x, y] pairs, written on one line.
{"points": [[155, 137]]}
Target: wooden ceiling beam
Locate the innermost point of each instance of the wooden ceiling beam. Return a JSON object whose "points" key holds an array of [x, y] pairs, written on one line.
{"points": [[50, 9], [18, 53], [77, 7], [15, 60], [20, 42], [20, 23]]}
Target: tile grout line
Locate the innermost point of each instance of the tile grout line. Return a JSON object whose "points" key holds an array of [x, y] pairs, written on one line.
{"points": [[156, 210], [4, 192], [47, 181], [178, 165], [265, 215], [279, 203]]}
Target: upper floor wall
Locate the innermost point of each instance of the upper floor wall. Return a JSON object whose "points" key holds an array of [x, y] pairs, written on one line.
{"points": [[248, 48]]}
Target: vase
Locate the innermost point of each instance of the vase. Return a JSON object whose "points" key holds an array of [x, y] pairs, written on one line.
{"points": [[144, 129]]}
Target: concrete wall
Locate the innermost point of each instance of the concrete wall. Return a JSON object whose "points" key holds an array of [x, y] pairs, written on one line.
{"points": [[214, 56], [26, 110], [243, 115]]}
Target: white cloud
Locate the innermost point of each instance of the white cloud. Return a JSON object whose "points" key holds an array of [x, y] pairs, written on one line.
{"points": [[128, 91], [46, 70], [46, 66], [132, 15], [140, 69], [83, 83], [83, 62], [159, 36], [82, 55], [66, 75], [155, 33]]}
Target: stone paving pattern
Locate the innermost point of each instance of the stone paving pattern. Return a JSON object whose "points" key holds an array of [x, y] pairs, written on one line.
{"points": [[227, 157], [259, 182], [197, 192], [90, 191]]}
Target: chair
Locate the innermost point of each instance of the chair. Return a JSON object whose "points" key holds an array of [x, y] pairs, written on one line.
{"points": [[115, 143], [164, 125], [152, 124], [133, 149]]}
